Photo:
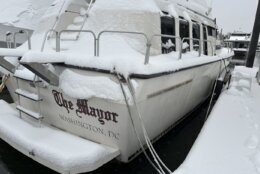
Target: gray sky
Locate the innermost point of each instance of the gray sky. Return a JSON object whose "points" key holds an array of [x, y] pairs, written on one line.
{"points": [[235, 14]]}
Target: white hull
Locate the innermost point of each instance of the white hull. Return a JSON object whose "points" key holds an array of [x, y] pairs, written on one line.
{"points": [[162, 101]]}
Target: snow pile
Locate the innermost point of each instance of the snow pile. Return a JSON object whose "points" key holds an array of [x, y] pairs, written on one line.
{"points": [[202, 6], [56, 149], [135, 16], [24, 74], [11, 52], [125, 64], [82, 86], [241, 81], [229, 141], [23, 13]]}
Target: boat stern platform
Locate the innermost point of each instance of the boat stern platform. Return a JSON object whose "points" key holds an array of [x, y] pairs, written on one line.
{"points": [[56, 149]]}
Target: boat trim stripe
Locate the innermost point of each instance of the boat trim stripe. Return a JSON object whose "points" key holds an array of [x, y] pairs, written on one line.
{"points": [[169, 89]]}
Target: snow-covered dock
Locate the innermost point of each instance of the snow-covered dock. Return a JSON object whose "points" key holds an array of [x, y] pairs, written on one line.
{"points": [[230, 139], [61, 151]]}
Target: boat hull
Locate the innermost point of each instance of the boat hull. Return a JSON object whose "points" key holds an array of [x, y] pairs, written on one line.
{"points": [[161, 102]]}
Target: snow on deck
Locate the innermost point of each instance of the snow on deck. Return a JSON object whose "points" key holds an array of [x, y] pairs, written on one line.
{"points": [[229, 141], [23, 13], [56, 149]]}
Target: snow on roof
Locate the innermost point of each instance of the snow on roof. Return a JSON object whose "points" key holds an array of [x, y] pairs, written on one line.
{"points": [[128, 15], [136, 5], [201, 6], [23, 13]]}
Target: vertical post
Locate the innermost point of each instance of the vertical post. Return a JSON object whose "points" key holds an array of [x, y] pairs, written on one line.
{"points": [[57, 41], [147, 54], [254, 39]]}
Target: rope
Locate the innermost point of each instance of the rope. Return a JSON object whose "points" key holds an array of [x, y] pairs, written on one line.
{"points": [[4, 80], [135, 130], [213, 93], [156, 157]]}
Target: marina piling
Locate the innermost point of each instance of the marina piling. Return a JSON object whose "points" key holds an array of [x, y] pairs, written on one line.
{"points": [[254, 39]]}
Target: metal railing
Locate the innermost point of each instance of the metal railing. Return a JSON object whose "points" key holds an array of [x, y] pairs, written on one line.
{"points": [[76, 31], [149, 44], [117, 32], [190, 39], [97, 39], [8, 39], [85, 18], [229, 45], [21, 32], [47, 35]]}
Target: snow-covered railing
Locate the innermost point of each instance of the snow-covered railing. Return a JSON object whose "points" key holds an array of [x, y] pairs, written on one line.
{"points": [[190, 39], [76, 31], [46, 36], [97, 39], [21, 32], [118, 32], [229, 45], [149, 44], [8, 39], [85, 18]]}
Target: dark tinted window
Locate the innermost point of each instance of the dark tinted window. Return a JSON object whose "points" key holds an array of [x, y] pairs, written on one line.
{"points": [[212, 32], [168, 28], [184, 29], [196, 35], [184, 33]]}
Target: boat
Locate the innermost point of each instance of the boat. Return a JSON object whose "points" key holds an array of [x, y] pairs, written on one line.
{"points": [[240, 42], [99, 80]]}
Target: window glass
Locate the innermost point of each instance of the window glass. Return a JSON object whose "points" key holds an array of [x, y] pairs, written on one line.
{"points": [[168, 28], [196, 35]]}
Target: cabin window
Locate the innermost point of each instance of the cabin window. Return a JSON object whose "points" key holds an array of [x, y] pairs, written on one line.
{"points": [[212, 32], [196, 35], [184, 33], [168, 28]]}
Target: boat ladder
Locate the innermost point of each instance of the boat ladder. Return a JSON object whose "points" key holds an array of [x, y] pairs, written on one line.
{"points": [[31, 96], [78, 23]]}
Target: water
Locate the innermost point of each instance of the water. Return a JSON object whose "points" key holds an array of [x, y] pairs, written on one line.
{"points": [[172, 148]]}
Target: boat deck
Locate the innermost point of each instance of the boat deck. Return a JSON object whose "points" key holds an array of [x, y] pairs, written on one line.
{"points": [[60, 151]]}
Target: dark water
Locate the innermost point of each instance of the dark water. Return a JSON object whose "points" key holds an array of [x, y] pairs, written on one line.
{"points": [[172, 148]]}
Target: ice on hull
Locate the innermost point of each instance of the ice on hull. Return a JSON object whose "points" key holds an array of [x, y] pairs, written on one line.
{"points": [[58, 150]]}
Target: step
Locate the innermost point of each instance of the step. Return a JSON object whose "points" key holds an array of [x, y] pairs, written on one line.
{"points": [[28, 95], [43, 72], [24, 78], [30, 113], [56, 149]]}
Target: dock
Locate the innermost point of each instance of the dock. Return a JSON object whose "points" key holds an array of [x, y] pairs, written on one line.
{"points": [[229, 141]]}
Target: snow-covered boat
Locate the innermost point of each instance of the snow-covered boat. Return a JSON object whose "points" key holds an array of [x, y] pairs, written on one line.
{"points": [[115, 73], [240, 43]]}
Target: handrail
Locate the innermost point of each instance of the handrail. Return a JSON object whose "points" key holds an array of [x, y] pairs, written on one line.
{"points": [[57, 17], [8, 39], [149, 44], [148, 41], [190, 39], [85, 19], [45, 38], [22, 32], [229, 46], [74, 31], [211, 45], [118, 32]]}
